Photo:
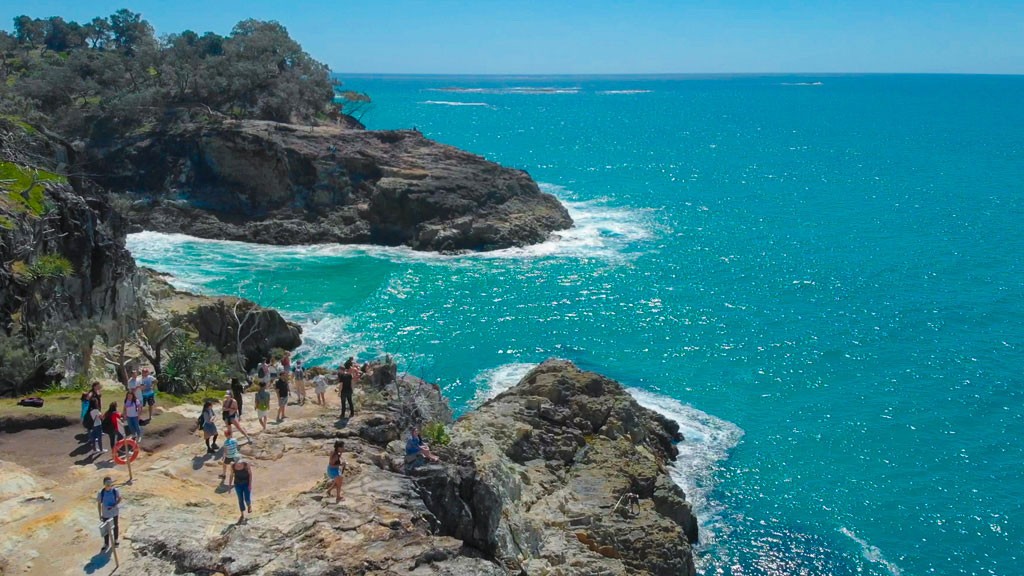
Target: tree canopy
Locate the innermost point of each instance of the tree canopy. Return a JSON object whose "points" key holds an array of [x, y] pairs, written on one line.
{"points": [[116, 69]]}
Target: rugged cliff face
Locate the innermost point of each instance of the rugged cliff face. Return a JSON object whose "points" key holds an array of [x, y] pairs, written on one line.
{"points": [[565, 474], [285, 184], [65, 274]]}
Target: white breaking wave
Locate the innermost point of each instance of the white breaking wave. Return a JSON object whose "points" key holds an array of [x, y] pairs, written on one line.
{"points": [[449, 103], [872, 553], [494, 381], [600, 230], [707, 442], [625, 91], [329, 337]]}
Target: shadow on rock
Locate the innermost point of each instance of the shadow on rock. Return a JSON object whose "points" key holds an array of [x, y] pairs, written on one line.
{"points": [[96, 563]]}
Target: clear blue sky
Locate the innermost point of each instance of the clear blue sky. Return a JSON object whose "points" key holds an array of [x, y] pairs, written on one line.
{"points": [[626, 36]]}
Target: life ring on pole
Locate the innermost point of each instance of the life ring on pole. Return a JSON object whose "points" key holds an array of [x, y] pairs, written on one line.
{"points": [[132, 450]]}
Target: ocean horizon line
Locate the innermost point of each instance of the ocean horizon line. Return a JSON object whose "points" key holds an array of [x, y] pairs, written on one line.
{"points": [[664, 75]]}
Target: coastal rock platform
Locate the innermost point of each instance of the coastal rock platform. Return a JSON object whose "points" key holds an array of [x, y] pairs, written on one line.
{"points": [[532, 484]]}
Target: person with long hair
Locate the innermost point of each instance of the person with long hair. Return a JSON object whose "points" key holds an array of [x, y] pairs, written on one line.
{"points": [[209, 425], [112, 424], [335, 470], [132, 411]]}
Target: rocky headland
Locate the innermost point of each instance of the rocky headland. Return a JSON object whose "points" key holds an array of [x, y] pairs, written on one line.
{"points": [[535, 482], [273, 183]]}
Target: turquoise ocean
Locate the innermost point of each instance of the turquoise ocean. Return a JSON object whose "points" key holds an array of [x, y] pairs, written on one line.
{"points": [[820, 277]]}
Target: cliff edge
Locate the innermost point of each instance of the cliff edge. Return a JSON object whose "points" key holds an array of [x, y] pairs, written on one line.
{"points": [[274, 183]]}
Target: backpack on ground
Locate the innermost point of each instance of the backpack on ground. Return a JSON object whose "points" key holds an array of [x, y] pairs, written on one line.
{"points": [[31, 402]]}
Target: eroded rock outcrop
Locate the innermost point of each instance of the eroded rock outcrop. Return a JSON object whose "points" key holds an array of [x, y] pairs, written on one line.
{"points": [[542, 478], [217, 320], [274, 183]]}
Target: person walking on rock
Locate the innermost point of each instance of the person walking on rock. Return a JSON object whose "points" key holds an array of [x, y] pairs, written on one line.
{"points": [[241, 478], [282, 396], [229, 410], [335, 470], [263, 405], [96, 432], [238, 391], [231, 454], [112, 425], [209, 426], [108, 505]]}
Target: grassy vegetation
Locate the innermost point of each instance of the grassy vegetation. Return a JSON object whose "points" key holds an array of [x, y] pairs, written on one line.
{"points": [[26, 187], [19, 122], [47, 267]]}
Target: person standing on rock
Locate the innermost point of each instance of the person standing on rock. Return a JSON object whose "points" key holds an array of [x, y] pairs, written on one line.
{"points": [[108, 504], [320, 387], [286, 366], [238, 391], [112, 425], [263, 405], [282, 396], [133, 382], [347, 374], [299, 382], [229, 410], [148, 385], [263, 371], [241, 478], [132, 409], [231, 454], [335, 470], [209, 426], [96, 432]]}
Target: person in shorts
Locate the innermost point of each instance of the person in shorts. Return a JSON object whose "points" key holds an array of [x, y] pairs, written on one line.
{"points": [[263, 405], [282, 396], [335, 470], [231, 454], [229, 411], [320, 384], [108, 504]]}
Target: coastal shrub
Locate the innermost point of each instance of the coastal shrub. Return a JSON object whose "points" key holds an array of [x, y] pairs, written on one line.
{"points": [[191, 366], [436, 434], [47, 267], [25, 187]]}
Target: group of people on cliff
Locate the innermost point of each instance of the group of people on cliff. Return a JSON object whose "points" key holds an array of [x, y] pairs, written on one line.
{"points": [[282, 379]]}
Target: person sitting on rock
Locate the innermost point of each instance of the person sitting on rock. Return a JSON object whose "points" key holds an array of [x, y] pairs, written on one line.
{"points": [[416, 452]]}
